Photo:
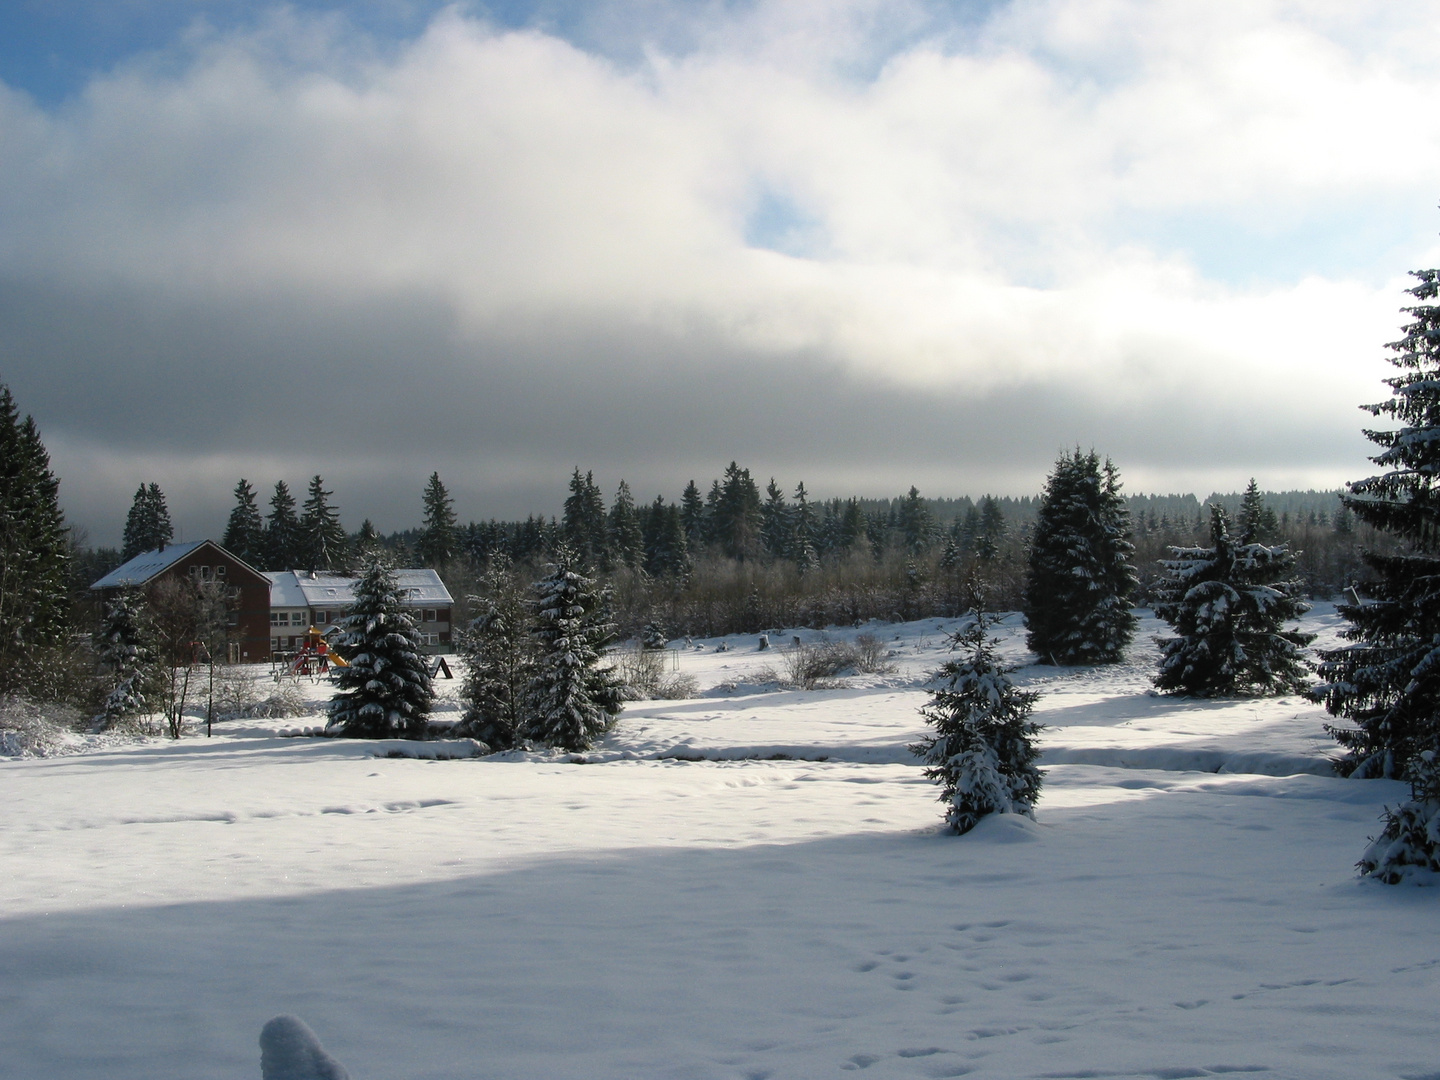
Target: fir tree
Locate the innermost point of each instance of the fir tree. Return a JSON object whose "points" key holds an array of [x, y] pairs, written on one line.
{"points": [[627, 538], [367, 541], [584, 524], [147, 526], [915, 522], [692, 516], [245, 531], [666, 550], [1229, 603], [127, 658], [805, 533], [982, 752], [991, 529], [737, 514], [573, 699], [385, 691], [282, 531], [775, 531], [500, 661], [439, 541], [34, 551], [1076, 601], [323, 544], [1386, 682]]}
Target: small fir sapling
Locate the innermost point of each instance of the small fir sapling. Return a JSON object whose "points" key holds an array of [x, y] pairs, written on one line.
{"points": [[982, 751], [573, 699], [1409, 846], [1229, 603], [385, 691]]}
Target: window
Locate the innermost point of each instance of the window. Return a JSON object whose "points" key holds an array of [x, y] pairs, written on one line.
{"points": [[279, 618], [274, 644], [429, 614], [321, 617], [219, 573], [232, 617]]}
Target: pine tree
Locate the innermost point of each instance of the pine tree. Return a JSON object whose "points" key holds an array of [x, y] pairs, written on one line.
{"points": [[282, 531], [439, 541], [34, 551], [775, 530], [1229, 603], [127, 657], [1076, 601], [1386, 683], [245, 531], [572, 698], [147, 527], [982, 752], [500, 661], [323, 544], [385, 691], [627, 539]]}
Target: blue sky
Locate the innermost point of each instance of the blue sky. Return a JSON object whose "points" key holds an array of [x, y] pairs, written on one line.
{"points": [[854, 243]]}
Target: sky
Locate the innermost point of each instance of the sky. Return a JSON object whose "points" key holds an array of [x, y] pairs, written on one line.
{"points": [[856, 243]]}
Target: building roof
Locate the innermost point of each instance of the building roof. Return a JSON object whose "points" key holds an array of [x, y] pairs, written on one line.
{"points": [[146, 565], [323, 589]]}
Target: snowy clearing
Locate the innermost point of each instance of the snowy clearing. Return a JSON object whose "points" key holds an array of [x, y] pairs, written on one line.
{"points": [[750, 883]]}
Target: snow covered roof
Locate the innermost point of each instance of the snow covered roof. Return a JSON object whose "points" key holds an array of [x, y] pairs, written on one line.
{"points": [[323, 589], [146, 565]]}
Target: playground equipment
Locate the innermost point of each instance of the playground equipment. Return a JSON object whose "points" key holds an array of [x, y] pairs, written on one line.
{"points": [[314, 659]]}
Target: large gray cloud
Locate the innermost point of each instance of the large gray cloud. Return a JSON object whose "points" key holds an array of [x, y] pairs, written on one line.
{"points": [[499, 256]]}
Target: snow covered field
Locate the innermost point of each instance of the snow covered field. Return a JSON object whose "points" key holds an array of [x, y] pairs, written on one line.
{"points": [[689, 903]]}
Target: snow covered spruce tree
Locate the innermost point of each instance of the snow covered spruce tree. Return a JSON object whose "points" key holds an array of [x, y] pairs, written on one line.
{"points": [[385, 691], [983, 751], [500, 658], [572, 698], [1386, 682], [1076, 603], [1229, 604], [125, 651]]}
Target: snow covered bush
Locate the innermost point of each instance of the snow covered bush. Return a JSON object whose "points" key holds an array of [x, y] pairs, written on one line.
{"points": [[573, 698], [28, 729], [385, 691], [1409, 847], [982, 752], [1077, 592], [1229, 604]]}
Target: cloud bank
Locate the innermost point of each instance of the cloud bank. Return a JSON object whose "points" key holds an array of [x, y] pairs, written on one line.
{"points": [[788, 234]]}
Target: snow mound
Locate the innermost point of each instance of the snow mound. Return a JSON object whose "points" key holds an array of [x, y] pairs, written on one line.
{"points": [[433, 750], [289, 1050]]}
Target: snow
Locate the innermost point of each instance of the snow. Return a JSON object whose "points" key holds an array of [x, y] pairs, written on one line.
{"points": [[685, 902]]}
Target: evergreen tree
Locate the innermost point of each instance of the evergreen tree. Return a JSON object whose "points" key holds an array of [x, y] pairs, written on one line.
{"points": [[805, 532], [322, 541], [991, 529], [982, 751], [1251, 518], [500, 661], [34, 551], [385, 691], [627, 538], [692, 515], [1229, 603], [584, 525], [572, 699], [915, 522], [666, 550], [1386, 682], [367, 541], [775, 532], [737, 514], [439, 541], [245, 531], [282, 531], [147, 526], [127, 657], [1076, 601]]}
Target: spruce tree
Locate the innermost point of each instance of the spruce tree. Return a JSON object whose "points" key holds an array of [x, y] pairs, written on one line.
{"points": [[439, 541], [982, 752], [775, 531], [915, 522], [1386, 681], [736, 516], [1229, 604], [126, 653], [245, 531], [385, 692], [322, 542], [147, 526], [584, 522], [500, 661], [34, 552], [1076, 603], [805, 532], [573, 699], [282, 531], [991, 529], [692, 515], [627, 539], [666, 550]]}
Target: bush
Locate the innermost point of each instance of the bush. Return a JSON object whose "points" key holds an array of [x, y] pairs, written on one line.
{"points": [[29, 729], [643, 677]]}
